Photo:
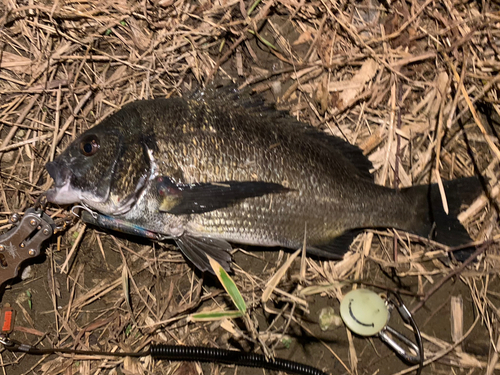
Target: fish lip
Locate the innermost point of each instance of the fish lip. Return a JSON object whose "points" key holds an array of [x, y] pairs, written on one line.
{"points": [[63, 194], [58, 186]]}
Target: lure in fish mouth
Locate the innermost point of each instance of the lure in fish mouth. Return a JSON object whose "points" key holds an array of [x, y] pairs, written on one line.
{"points": [[220, 167]]}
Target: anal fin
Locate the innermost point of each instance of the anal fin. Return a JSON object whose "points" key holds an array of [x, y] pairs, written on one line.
{"points": [[335, 249]]}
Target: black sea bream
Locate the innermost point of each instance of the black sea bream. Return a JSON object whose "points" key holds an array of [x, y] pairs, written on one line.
{"points": [[221, 167]]}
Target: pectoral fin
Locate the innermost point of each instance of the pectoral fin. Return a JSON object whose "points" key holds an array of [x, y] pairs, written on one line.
{"points": [[179, 199], [197, 248]]}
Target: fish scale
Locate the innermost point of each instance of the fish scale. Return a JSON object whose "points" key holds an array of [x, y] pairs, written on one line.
{"points": [[220, 166]]}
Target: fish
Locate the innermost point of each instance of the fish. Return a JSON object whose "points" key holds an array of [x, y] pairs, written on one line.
{"points": [[220, 167]]}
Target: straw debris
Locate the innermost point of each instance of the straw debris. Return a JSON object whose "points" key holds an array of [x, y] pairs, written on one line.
{"points": [[414, 84]]}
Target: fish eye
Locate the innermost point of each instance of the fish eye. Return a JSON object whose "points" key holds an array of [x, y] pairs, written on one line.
{"points": [[89, 145]]}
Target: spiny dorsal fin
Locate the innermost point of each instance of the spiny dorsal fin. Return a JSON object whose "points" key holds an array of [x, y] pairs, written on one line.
{"points": [[230, 96], [351, 152]]}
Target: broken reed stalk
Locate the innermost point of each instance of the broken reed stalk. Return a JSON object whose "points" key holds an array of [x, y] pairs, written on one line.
{"points": [[451, 274]]}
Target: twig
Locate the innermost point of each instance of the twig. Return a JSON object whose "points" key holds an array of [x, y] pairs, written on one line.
{"points": [[20, 119], [73, 249], [70, 119], [442, 353], [455, 272], [478, 122]]}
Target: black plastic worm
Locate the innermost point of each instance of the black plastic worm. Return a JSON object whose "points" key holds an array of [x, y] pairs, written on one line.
{"points": [[233, 357]]}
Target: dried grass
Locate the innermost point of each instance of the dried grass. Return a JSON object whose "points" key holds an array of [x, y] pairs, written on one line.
{"points": [[416, 87]]}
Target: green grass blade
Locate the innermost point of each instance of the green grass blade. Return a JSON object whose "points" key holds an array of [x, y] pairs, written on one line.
{"points": [[266, 42], [229, 285], [214, 315], [252, 8]]}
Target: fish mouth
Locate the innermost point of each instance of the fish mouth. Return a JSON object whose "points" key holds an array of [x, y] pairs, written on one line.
{"points": [[63, 192]]}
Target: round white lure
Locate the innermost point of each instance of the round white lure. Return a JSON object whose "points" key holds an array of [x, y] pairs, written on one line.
{"points": [[364, 312]]}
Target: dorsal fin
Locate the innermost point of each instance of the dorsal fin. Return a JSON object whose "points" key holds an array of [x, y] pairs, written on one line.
{"points": [[351, 152], [230, 96]]}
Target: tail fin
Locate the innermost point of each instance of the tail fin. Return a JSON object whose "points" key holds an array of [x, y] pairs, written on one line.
{"points": [[432, 222]]}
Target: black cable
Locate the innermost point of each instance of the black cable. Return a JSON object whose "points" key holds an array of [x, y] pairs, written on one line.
{"points": [[14, 346], [204, 354], [187, 354]]}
